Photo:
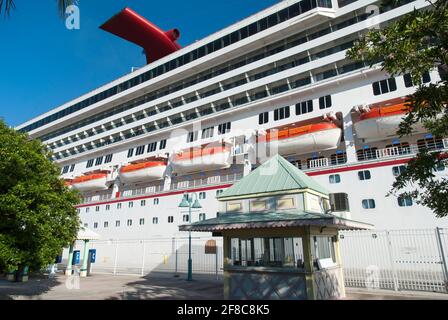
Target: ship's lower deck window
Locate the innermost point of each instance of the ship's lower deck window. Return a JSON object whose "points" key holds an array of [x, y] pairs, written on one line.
{"points": [[404, 201], [267, 252], [368, 204]]}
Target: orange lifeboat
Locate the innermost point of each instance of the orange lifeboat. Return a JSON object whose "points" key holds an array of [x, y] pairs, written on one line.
{"points": [[205, 158], [144, 171], [382, 122], [91, 182], [303, 139], [68, 182]]}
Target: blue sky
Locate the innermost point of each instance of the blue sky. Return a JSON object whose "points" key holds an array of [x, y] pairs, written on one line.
{"points": [[43, 64]]}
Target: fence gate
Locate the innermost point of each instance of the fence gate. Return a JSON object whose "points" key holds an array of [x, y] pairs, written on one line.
{"points": [[414, 260]]}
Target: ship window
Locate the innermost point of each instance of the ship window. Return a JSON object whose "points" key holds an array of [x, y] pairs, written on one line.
{"points": [[368, 204], [97, 208], [258, 205], [139, 150], [143, 203], [408, 79], [90, 163], [202, 195], [107, 207], [162, 144], [129, 223], [334, 178], [404, 201], [156, 201], [142, 221], [207, 132], [192, 136], [86, 225], [108, 158], [263, 118], [325, 102], [170, 219], [131, 204], [281, 113], [439, 167], [384, 86], [99, 161], [339, 202], [87, 210], [285, 203], [234, 206], [155, 220], [202, 216], [65, 169], [396, 171], [106, 224], [130, 152], [119, 205], [117, 223], [224, 128], [95, 225], [185, 218], [304, 107], [152, 147], [364, 175], [218, 192]]}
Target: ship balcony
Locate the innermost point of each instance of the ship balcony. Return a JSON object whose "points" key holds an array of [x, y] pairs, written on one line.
{"points": [[188, 182], [402, 150]]}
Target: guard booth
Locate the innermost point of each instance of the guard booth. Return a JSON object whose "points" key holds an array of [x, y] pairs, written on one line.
{"points": [[280, 240], [74, 257]]}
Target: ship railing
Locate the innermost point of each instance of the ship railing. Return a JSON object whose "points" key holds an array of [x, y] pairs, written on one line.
{"points": [[96, 198], [192, 183], [240, 149], [445, 143], [316, 163], [396, 151]]}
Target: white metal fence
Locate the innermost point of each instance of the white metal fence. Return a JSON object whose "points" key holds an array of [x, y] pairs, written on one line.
{"points": [[414, 260], [141, 257]]}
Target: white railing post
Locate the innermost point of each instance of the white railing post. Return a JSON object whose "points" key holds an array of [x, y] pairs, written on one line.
{"points": [[116, 258], [442, 256], [143, 258], [391, 260]]}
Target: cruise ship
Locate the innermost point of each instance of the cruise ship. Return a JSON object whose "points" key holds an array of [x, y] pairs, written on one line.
{"points": [[197, 119]]}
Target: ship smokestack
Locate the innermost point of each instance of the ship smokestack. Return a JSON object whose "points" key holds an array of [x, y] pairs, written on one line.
{"points": [[129, 25]]}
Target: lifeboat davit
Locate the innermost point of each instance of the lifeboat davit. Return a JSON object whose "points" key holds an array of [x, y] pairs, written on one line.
{"points": [[202, 159], [144, 171], [383, 122], [91, 182], [304, 139]]}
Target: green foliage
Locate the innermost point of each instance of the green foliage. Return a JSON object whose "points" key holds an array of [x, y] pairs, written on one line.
{"points": [[37, 214], [415, 44]]}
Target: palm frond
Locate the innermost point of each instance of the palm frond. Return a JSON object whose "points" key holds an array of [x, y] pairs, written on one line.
{"points": [[6, 6]]}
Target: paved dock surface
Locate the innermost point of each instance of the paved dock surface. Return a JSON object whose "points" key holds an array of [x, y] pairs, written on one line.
{"points": [[154, 286]]}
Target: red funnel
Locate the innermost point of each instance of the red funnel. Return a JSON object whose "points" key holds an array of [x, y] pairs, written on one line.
{"points": [[130, 26]]}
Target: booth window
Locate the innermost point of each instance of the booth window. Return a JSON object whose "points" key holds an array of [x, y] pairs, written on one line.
{"points": [[234, 207], [323, 252], [286, 203], [258, 205], [267, 252]]}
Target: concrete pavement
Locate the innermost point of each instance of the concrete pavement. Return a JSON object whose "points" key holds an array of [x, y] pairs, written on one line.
{"points": [[154, 286]]}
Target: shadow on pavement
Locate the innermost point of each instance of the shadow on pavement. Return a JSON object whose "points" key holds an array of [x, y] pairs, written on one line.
{"points": [[162, 286], [37, 285]]}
